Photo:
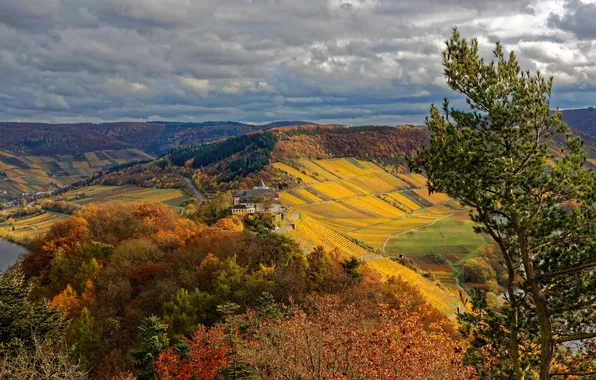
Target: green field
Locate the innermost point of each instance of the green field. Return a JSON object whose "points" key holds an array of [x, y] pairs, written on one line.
{"points": [[447, 238]]}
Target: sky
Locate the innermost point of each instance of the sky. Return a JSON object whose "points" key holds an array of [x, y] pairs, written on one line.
{"points": [[331, 61]]}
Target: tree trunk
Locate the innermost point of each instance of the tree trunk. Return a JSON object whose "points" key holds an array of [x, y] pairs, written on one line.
{"points": [[546, 337], [513, 324], [513, 330]]}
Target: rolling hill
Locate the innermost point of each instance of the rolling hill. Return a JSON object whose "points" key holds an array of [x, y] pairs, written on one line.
{"points": [[37, 156]]}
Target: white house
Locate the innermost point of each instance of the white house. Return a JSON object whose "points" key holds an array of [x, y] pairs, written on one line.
{"points": [[258, 199]]}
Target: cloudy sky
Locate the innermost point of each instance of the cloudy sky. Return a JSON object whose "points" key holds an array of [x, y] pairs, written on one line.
{"points": [[346, 61]]}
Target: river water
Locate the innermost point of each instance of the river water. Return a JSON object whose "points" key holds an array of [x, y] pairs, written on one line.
{"points": [[9, 253]]}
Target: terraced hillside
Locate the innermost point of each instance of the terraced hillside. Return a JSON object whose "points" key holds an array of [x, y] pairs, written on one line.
{"points": [[29, 227], [311, 233], [174, 198], [393, 214], [25, 173]]}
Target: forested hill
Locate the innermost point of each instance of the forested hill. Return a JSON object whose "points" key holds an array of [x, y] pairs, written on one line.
{"points": [[243, 160], [157, 138], [154, 138]]}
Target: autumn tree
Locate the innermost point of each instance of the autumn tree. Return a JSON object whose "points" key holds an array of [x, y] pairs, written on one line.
{"points": [[203, 356], [216, 208], [333, 340], [495, 158]]}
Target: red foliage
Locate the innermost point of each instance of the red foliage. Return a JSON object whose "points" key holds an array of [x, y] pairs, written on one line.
{"points": [[332, 340], [143, 275], [207, 354]]}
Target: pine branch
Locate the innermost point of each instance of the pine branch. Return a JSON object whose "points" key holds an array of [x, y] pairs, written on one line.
{"points": [[567, 270], [571, 338]]}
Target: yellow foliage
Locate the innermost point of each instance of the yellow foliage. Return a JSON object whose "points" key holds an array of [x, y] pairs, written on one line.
{"points": [[434, 295], [376, 206], [434, 198], [404, 200], [289, 199], [308, 195], [344, 167], [67, 301], [334, 190], [295, 173]]}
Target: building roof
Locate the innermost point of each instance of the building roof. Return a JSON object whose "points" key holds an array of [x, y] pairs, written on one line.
{"points": [[258, 191], [240, 207]]}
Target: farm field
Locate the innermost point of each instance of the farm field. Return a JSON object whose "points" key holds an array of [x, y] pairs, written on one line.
{"points": [[295, 173], [24, 174], [392, 214], [438, 248], [129, 193], [29, 227]]}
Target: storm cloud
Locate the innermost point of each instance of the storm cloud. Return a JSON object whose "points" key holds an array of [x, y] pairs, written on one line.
{"points": [[346, 61]]}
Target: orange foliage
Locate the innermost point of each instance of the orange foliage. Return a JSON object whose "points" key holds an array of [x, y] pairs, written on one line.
{"points": [[354, 142], [70, 235], [232, 224], [88, 293], [169, 239], [332, 340], [67, 301], [114, 222]]}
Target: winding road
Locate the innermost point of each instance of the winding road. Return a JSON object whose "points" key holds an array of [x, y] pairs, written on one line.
{"points": [[194, 190]]}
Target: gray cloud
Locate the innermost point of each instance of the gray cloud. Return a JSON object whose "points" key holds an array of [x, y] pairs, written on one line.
{"points": [[352, 61], [578, 18], [29, 14]]}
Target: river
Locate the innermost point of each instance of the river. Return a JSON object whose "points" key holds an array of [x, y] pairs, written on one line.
{"points": [[9, 253]]}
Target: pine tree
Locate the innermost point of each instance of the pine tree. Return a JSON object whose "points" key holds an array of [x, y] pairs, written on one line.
{"points": [[154, 340], [494, 158], [22, 322], [85, 337], [186, 310]]}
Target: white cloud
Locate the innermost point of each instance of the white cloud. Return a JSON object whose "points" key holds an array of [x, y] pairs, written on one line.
{"points": [[201, 86], [119, 86]]}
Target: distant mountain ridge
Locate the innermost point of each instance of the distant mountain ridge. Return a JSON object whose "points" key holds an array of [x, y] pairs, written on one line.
{"points": [[582, 120], [158, 137], [154, 138]]}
